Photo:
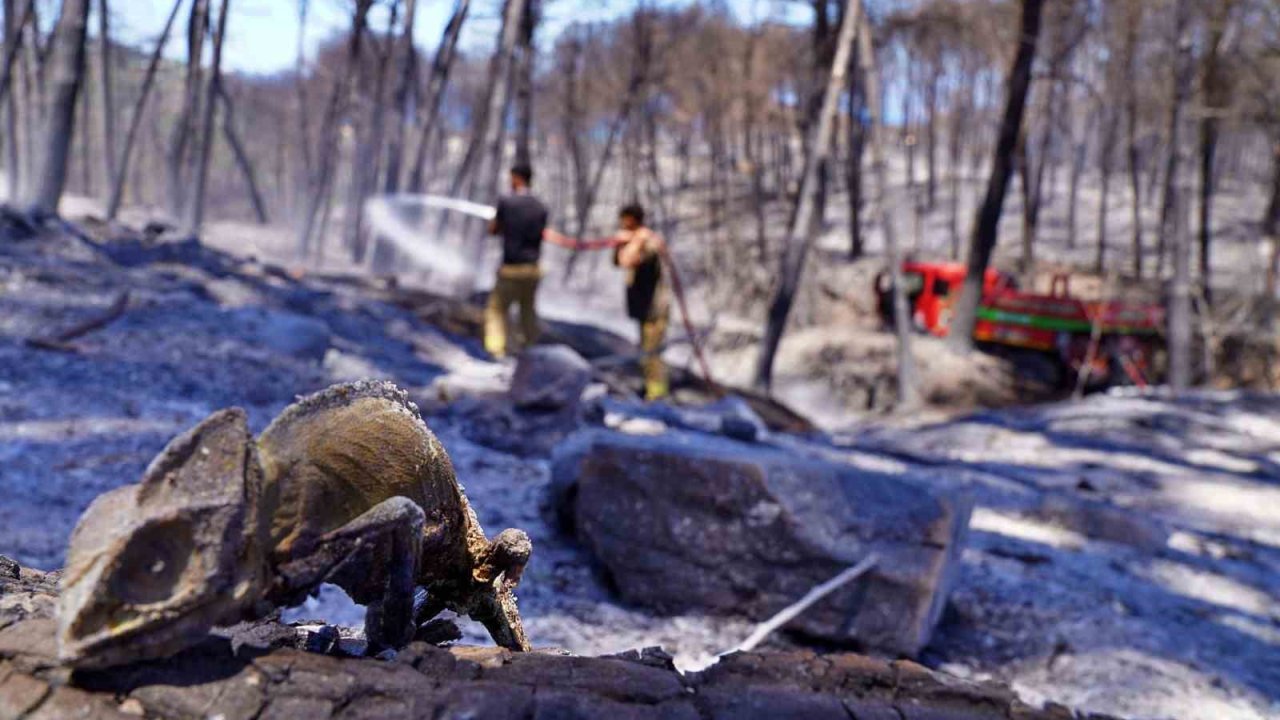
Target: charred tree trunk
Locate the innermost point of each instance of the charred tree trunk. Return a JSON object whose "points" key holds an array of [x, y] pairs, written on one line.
{"points": [[858, 109], [105, 71], [803, 226], [406, 99], [65, 76], [241, 156], [1183, 73], [754, 143], [319, 185], [571, 71], [1214, 91], [195, 210], [588, 190], [527, 60], [135, 123], [1079, 155], [184, 127], [960, 107], [1179, 315], [931, 135], [441, 68], [985, 233], [1104, 194], [303, 109], [368, 150], [490, 144], [908, 394], [14, 26], [488, 128], [84, 151], [32, 99], [1271, 221], [1127, 75]]}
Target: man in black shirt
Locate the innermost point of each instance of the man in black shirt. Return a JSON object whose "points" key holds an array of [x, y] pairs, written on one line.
{"points": [[521, 221]]}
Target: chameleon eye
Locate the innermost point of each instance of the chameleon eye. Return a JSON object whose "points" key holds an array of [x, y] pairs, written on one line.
{"points": [[153, 563]]}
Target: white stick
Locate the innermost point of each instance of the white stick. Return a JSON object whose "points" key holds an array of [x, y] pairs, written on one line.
{"points": [[790, 612]]}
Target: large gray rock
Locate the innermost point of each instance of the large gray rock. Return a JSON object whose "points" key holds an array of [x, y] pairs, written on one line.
{"points": [[692, 522], [549, 377]]}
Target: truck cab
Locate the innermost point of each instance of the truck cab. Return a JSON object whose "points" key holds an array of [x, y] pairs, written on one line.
{"points": [[931, 289]]}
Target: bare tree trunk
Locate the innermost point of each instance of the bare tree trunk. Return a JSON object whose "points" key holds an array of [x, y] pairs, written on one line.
{"points": [[1021, 166], [754, 150], [1183, 74], [1104, 194], [1135, 188], [960, 106], [527, 59], [84, 151], [931, 135], [1271, 221], [587, 191], [368, 150], [66, 76], [908, 394], [108, 95], [195, 210], [803, 226], [488, 127], [1179, 315], [33, 97], [485, 183], [985, 231], [406, 99], [13, 31], [184, 126], [304, 112], [135, 123], [858, 103], [1079, 154], [436, 85], [1214, 90], [570, 68], [320, 182], [242, 157]]}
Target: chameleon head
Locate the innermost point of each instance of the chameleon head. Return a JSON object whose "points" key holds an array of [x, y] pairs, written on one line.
{"points": [[504, 558], [152, 567]]}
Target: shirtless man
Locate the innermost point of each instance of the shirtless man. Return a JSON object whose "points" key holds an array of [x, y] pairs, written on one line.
{"points": [[640, 253]]}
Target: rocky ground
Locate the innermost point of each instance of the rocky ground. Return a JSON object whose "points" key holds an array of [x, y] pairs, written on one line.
{"points": [[1124, 555], [260, 672]]}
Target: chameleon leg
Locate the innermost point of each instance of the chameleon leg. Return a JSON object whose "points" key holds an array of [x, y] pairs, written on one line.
{"points": [[498, 613], [375, 559], [499, 568]]}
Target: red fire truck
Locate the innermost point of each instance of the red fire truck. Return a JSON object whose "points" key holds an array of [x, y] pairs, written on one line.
{"points": [[1120, 342]]}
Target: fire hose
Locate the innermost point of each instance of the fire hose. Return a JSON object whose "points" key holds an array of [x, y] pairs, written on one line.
{"points": [[488, 212]]}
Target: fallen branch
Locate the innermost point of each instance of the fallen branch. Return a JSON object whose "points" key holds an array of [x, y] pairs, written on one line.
{"points": [[811, 598], [62, 341]]}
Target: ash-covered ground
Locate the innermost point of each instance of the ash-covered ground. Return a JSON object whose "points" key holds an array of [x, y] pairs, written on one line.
{"points": [[1124, 557]]}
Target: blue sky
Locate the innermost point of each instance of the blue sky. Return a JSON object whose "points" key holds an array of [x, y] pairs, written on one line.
{"points": [[263, 34]]}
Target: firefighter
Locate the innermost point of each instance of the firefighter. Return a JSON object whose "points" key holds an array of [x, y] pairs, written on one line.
{"points": [[639, 253], [521, 221]]}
